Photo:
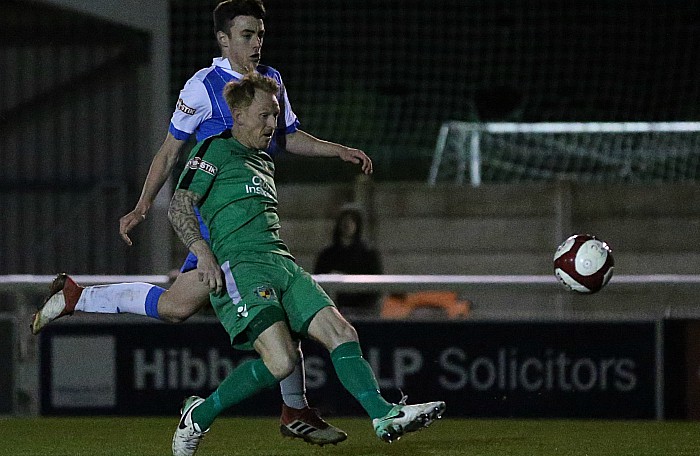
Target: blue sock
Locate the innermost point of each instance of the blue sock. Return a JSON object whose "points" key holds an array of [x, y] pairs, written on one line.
{"points": [[151, 304]]}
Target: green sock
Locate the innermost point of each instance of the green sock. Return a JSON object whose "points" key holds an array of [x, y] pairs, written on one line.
{"points": [[245, 380], [357, 377]]}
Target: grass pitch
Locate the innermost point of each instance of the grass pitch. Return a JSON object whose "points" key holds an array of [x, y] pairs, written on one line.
{"points": [[124, 436]]}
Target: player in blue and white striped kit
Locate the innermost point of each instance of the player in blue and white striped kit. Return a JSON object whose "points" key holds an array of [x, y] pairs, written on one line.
{"points": [[202, 111]]}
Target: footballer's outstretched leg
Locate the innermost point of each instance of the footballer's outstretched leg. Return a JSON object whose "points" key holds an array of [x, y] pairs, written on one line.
{"points": [[63, 296]]}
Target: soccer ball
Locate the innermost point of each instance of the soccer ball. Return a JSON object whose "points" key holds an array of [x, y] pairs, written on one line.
{"points": [[583, 263]]}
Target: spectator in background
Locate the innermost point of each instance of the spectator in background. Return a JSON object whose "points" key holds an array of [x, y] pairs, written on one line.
{"points": [[350, 254]]}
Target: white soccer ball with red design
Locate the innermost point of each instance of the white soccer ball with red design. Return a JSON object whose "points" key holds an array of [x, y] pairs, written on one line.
{"points": [[583, 263]]}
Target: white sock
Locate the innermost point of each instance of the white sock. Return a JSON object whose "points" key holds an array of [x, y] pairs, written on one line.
{"points": [[294, 386], [136, 298]]}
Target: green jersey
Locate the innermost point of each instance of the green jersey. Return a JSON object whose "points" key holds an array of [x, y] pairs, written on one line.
{"points": [[239, 204]]}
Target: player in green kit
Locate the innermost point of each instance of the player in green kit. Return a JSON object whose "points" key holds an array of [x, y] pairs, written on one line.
{"points": [[262, 297]]}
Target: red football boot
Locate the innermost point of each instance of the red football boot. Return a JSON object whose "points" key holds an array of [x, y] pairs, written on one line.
{"points": [[63, 296], [306, 424]]}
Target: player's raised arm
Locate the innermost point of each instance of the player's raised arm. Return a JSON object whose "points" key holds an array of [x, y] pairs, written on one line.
{"points": [[161, 167], [302, 143]]}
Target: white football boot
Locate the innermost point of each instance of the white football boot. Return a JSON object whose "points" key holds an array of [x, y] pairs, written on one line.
{"points": [[188, 434], [403, 419]]}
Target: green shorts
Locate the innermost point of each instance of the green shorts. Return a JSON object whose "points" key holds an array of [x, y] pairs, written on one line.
{"points": [[263, 288]]}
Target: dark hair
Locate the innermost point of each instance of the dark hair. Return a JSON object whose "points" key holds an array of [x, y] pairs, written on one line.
{"points": [[353, 212], [227, 10], [240, 94]]}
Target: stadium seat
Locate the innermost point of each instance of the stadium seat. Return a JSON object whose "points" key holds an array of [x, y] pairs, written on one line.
{"points": [[399, 306]]}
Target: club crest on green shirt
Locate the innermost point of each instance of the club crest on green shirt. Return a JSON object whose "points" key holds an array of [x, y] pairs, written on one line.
{"points": [[265, 292]]}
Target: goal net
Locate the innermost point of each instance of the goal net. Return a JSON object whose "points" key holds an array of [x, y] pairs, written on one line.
{"points": [[383, 76], [589, 152]]}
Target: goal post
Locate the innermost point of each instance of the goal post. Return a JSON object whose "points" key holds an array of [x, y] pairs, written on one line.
{"points": [[579, 151]]}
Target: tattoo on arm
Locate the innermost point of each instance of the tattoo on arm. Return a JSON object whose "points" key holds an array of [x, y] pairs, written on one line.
{"points": [[182, 216]]}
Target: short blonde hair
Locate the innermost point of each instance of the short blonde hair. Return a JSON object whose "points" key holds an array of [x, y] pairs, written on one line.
{"points": [[240, 94]]}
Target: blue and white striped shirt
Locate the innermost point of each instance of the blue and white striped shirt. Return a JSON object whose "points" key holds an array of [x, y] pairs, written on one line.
{"points": [[201, 109]]}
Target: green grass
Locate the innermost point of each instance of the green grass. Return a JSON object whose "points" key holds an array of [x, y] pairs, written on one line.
{"points": [[260, 436]]}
